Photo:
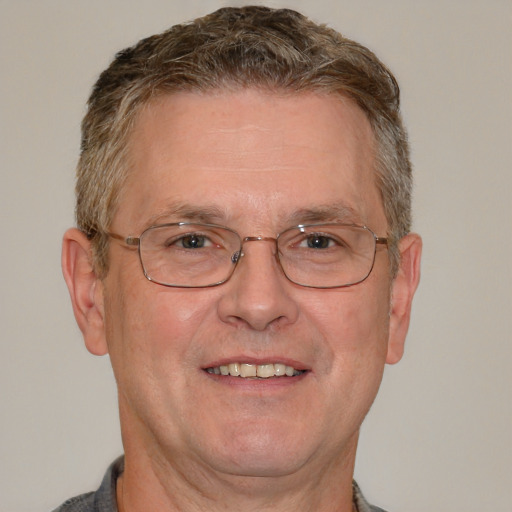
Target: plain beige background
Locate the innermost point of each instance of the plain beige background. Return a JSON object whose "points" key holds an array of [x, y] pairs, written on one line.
{"points": [[439, 437]]}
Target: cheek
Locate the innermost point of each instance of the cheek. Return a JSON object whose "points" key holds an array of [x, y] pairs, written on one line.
{"points": [[162, 328], [354, 322], [178, 313], [151, 332]]}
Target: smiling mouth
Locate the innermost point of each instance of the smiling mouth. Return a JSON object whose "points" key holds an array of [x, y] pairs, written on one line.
{"points": [[255, 371]]}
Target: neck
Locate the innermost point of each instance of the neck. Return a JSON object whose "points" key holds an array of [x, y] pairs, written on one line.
{"points": [[154, 484]]}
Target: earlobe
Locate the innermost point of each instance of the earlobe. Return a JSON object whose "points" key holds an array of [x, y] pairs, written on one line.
{"points": [[403, 289], [85, 290]]}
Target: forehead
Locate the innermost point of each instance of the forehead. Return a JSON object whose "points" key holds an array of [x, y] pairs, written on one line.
{"points": [[252, 154]]}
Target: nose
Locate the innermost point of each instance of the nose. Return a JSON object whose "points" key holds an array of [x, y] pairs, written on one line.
{"points": [[258, 294]]}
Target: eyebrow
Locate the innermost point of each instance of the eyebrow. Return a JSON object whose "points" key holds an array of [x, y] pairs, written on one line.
{"points": [[337, 212], [180, 211], [210, 214]]}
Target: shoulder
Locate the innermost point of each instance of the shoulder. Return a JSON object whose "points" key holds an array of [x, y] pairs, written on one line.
{"points": [[82, 503], [361, 505], [103, 500]]}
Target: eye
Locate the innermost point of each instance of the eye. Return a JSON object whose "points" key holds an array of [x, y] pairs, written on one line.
{"points": [[318, 241], [193, 241], [190, 241]]}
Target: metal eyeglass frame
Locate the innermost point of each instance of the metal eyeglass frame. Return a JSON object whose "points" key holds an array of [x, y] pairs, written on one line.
{"points": [[133, 241]]}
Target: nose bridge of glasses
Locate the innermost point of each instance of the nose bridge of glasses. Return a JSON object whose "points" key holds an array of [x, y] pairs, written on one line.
{"points": [[259, 239], [237, 255]]}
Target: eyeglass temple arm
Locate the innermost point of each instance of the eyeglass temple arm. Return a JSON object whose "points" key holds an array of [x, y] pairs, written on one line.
{"points": [[129, 240]]}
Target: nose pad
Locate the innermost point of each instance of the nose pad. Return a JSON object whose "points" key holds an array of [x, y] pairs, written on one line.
{"points": [[236, 256]]}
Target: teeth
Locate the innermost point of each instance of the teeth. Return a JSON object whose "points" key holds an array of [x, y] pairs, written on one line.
{"points": [[234, 369], [262, 371], [248, 370], [280, 369], [265, 371]]}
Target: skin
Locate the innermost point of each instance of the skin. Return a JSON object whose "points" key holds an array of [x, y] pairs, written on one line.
{"points": [[257, 163]]}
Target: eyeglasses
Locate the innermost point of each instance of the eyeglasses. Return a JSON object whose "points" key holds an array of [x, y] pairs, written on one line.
{"points": [[187, 255]]}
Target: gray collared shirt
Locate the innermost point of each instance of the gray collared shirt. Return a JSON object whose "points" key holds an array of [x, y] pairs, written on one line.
{"points": [[104, 499]]}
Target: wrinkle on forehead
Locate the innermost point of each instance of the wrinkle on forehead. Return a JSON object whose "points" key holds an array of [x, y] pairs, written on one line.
{"points": [[231, 133]]}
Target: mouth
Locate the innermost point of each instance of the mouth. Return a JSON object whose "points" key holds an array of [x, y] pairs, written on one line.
{"points": [[255, 371]]}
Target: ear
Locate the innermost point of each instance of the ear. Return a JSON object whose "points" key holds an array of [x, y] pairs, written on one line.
{"points": [[402, 292], [85, 289]]}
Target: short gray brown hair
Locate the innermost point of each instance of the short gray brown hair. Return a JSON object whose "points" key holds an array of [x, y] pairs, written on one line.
{"points": [[273, 49]]}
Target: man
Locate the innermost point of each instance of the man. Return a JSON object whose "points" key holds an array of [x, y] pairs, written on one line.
{"points": [[243, 254]]}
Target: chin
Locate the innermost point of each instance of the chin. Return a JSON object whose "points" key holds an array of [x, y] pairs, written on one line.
{"points": [[260, 465], [261, 451]]}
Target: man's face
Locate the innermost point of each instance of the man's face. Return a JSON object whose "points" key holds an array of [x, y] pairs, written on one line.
{"points": [[257, 163]]}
